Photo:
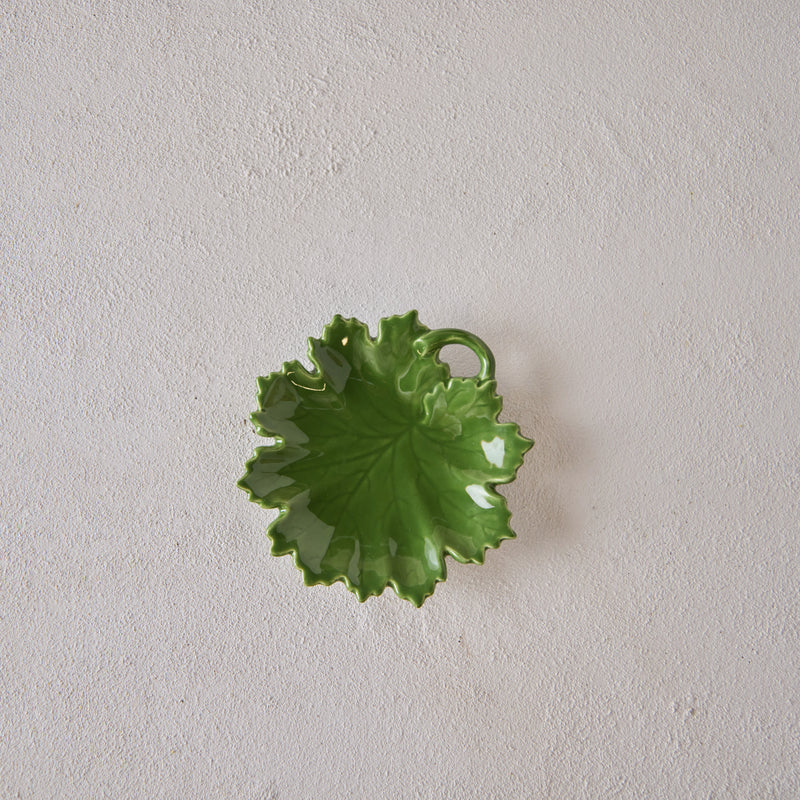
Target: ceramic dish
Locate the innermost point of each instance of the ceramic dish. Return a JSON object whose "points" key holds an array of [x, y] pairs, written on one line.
{"points": [[382, 463]]}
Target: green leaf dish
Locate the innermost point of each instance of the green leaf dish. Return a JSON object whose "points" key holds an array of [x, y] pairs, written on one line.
{"points": [[382, 463]]}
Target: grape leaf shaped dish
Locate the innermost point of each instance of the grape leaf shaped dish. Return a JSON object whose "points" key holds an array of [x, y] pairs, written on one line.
{"points": [[381, 462]]}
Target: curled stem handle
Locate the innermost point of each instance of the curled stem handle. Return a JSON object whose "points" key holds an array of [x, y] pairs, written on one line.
{"points": [[430, 343]]}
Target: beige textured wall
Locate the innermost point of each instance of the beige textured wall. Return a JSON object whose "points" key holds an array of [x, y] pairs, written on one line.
{"points": [[608, 194]]}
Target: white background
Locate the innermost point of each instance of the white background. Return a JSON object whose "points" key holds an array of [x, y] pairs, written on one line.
{"points": [[608, 194]]}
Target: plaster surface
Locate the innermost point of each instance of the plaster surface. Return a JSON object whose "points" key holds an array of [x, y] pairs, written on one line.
{"points": [[607, 194]]}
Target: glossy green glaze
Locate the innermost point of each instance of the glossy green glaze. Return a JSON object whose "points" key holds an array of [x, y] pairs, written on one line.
{"points": [[382, 463]]}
